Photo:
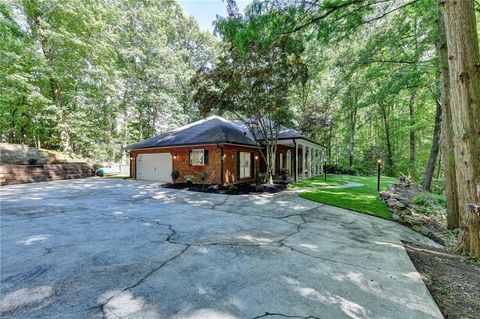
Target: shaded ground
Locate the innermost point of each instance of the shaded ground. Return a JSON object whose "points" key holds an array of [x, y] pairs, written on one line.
{"points": [[453, 281], [108, 248]]}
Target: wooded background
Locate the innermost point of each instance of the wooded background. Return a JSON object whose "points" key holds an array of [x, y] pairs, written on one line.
{"points": [[90, 77]]}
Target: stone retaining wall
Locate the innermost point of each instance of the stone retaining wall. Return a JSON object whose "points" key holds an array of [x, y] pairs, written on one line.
{"points": [[19, 174]]}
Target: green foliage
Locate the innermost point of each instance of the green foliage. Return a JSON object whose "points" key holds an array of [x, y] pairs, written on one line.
{"points": [[430, 200], [231, 187], [259, 188], [188, 179], [90, 77], [175, 174], [254, 76], [203, 176], [262, 177]]}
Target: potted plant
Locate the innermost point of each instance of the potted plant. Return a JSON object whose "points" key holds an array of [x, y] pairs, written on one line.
{"points": [[203, 177], [175, 175], [189, 179]]}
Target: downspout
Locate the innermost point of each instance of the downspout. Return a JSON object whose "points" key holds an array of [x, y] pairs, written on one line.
{"points": [[221, 164]]}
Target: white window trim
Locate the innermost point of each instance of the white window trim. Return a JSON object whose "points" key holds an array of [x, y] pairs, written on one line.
{"points": [[197, 151]]}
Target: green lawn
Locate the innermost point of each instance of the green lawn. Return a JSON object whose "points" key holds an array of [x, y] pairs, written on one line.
{"points": [[360, 199]]}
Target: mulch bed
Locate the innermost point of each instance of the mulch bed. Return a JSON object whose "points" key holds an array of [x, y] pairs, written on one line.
{"points": [[453, 280], [238, 189]]}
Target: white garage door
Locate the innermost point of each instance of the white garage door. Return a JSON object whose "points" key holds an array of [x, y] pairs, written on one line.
{"points": [[154, 167]]}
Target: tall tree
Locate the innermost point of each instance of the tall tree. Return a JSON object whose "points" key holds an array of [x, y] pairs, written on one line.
{"points": [[432, 159], [464, 73], [254, 77], [448, 156]]}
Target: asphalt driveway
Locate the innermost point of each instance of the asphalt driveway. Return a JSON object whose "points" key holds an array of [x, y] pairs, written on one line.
{"points": [[96, 248]]}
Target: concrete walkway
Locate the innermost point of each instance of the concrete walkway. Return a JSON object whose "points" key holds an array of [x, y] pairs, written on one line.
{"points": [[105, 248], [310, 188]]}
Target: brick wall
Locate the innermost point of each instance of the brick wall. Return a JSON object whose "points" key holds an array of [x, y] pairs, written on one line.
{"points": [[230, 163], [181, 161]]}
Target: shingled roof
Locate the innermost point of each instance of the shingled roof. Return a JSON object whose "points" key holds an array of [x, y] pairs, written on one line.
{"points": [[211, 130]]}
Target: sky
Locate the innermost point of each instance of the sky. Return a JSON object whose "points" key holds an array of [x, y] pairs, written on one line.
{"points": [[205, 11]]}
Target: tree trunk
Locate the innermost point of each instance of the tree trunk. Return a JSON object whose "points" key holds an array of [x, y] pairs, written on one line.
{"points": [[38, 34], [351, 141], [329, 144], [432, 159], [389, 159], [464, 72], [448, 156], [412, 133]]}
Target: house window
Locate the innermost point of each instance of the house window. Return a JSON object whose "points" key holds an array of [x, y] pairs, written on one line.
{"points": [[245, 164], [197, 157]]}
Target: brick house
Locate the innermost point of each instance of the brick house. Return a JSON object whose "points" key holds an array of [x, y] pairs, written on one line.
{"points": [[225, 150]]}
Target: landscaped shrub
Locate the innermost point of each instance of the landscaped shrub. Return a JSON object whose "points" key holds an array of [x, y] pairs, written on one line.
{"points": [[430, 200], [189, 179], [283, 174], [232, 188], [175, 175], [203, 177], [338, 169], [262, 177]]}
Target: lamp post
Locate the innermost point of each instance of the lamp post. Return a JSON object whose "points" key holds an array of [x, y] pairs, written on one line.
{"points": [[325, 169], [379, 163]]}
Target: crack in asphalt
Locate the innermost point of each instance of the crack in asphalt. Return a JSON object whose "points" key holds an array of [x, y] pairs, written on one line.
{"points": [[268, 314], [377, 270], [105, 303]]}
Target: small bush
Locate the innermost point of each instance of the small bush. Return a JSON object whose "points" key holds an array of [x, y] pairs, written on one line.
{"points": [[232, 187], [189, 179], [259, 188], [430, 200], [175, 175], [203, 176], [262, 177], [338, 169], [32, 161]]}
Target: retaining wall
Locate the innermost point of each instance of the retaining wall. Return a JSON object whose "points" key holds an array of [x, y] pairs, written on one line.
{"points": [[19, 174]]}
